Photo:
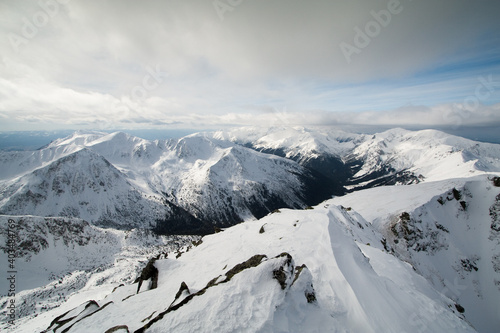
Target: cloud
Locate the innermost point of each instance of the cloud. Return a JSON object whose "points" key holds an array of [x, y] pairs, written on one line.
{"points": [[90, 62]]}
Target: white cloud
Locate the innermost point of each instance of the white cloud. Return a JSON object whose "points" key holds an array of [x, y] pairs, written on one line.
{"points": [[88, 63]]}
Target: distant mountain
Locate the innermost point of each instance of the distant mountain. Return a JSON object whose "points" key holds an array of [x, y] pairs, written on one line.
{"points": [[404, 157], [192, 184], [320, 150], [174, 186], [357, 161], [84, 185]]}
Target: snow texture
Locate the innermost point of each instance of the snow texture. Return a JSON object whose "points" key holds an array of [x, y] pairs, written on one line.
{"points": [[424, 257]]}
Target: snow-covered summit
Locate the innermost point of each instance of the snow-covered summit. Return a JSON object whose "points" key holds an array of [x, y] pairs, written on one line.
{"points": [[206, 180], [426, 155], [226, 177], [320, 270], [294, 142]]}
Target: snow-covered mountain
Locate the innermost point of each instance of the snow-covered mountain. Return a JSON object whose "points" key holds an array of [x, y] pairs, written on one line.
{"points": [[449, 231], [222, 178], [357, 161], [405, 157], [82, 184], [413, 258], [321, 150], [319, 270], [174, 186]]}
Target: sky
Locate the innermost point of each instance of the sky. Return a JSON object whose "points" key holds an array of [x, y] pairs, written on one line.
{"points": [[71, 64]]}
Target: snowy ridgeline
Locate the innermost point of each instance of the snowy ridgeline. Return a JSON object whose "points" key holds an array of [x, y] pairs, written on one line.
{"points": [[425, 259], [206, 180]]}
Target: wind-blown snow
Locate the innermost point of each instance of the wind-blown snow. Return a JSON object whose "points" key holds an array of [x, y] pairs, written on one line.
{"points": [[343, 286], [450, 235], [414, 258]]}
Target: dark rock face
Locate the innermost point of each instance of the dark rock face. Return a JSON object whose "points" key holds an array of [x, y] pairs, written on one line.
{"points": [[417, 236], [181, 222], [284, 272], [252, 262], [495, 214], [459, 308], [496, 181], [182, 288], [148, 272]]}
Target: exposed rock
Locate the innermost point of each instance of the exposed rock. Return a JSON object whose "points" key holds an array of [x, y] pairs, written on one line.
{"points": [[309, 292], [148, 272], [119, 329], [495, 214], [283, 273], [496, 181], [182, 288], [69, 318], [252, 262]]}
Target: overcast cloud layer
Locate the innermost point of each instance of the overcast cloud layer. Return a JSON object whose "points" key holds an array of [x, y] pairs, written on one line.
{"points": [[207, 64]]}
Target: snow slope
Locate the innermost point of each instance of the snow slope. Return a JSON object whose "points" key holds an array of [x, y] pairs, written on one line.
{"points": [[293, 271], [297, 143], [449, 231], [59, 260]]}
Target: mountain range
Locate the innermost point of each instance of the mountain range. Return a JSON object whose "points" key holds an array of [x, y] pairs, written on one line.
{"points": [[397, 232], [213, 180]]}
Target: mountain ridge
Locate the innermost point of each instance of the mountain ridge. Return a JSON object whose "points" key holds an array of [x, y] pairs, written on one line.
{"points": [[419, 255], [221, 178]]}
